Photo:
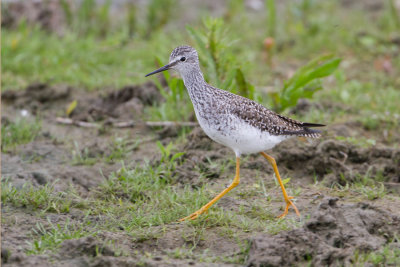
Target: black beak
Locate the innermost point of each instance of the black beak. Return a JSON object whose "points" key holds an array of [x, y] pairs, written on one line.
{"points": [[166, 67]]}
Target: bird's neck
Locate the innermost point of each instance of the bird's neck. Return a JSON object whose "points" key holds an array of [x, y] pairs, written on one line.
{"points": [[196, 85]]}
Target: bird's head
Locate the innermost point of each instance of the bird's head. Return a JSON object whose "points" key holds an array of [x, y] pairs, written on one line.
{"points": [[182, 59]]}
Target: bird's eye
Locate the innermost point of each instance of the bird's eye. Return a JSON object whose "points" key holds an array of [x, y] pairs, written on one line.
{"points": [[182, 59]]}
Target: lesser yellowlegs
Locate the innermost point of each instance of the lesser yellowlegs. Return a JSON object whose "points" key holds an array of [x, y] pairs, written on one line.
{"points": [[234, 121]]}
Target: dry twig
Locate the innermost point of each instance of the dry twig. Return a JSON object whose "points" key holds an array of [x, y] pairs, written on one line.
{"points": [[125, 124]]}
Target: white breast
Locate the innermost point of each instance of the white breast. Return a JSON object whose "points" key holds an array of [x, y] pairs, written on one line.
{"points": [[240, 136]]}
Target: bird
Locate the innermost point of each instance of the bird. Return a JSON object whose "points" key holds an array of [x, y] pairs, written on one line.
{"points": [[239, 123]]}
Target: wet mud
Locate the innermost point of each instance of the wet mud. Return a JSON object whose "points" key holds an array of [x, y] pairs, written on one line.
{"points": [[329, 238], [124, 103], [333, 231]]}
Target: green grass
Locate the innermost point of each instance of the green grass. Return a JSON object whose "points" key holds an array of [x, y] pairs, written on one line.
{"points": [[359, 141], [93, 63], [147, 195], [31, 54], [50, 238], [366, 186], [120, 148], [43, 198], [145, 200], [114, 59], [19, 132], [388, 255], [82, 156], [177, 105]]}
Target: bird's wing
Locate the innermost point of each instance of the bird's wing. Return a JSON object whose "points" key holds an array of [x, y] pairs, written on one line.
{"points": [[267, 120]]}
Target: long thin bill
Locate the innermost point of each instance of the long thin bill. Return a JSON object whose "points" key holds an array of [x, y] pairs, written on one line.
{"points": [[166, 67]]}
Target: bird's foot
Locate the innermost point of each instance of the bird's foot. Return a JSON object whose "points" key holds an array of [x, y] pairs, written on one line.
{"points": [[194, 215], [288, 204]]}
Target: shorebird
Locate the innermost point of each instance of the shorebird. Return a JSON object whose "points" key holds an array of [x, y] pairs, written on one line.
{"points": [[234, 121]]}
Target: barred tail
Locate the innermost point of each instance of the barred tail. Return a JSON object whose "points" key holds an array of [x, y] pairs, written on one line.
{"points": [[307, 132]]}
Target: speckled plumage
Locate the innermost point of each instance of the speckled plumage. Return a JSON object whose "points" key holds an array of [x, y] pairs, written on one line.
{"points": [[232, 120]]}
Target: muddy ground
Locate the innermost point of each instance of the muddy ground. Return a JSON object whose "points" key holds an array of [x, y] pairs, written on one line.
{"points": [[333, 228], [346, 187]]}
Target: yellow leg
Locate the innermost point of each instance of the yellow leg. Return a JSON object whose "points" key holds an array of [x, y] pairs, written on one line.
{"points": [[285, 195], [220, 195]]}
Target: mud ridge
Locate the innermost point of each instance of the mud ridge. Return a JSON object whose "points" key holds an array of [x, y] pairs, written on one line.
{"points": [[332, 160], [126, 103], [331, 236]]}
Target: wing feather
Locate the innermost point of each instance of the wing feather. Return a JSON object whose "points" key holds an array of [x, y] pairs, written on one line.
{"points": [[267, 120]]}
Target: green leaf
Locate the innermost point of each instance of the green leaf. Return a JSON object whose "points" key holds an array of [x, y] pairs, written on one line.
{"points": [[306, 81], [166, 74], [176, 156], [229, 79], [245, 89], [161, 147], [202, 48], [285, 181], [326, 68]]}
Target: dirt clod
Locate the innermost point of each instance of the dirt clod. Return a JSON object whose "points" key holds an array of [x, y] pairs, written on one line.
{"points": [[21, 259], [5, 254], [40, 177], [331, 236], [37, 95], [48, 15], [197, 139], [126, 103], [88, 246], [201, 159], [333, 160]]}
